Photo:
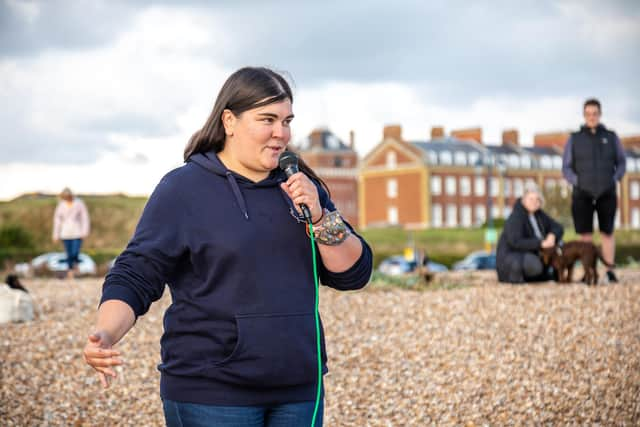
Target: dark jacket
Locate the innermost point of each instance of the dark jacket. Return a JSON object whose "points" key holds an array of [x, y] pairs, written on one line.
{"points": [[518, 237], [594, 162], [240, 329]]}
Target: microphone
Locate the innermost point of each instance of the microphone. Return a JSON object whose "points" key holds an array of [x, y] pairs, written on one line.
{"points": [[288, 162]]}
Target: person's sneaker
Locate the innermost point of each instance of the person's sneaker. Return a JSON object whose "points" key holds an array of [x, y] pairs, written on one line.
{"points": [[611, 277]]}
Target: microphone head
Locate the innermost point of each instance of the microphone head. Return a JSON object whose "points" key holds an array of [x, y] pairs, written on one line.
{"points": [[288, 162]]}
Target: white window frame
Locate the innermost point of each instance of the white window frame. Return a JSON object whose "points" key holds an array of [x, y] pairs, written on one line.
{"points": [[446, 158], [479, 185], [494, 183], [518, 187], [436, 215], [465, 186], [480, 214], [452, 215], [634, 190], [466, 216], [450, 186], [392, 188], [507, 187], [392, 215], [460, 158], [436, 185], [635, 218]]}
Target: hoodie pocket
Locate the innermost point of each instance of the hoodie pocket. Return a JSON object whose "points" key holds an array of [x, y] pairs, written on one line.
{"points": [[272, 350]]}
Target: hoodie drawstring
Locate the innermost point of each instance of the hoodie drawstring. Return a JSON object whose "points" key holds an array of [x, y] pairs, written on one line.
{"points": [[236, 192]]}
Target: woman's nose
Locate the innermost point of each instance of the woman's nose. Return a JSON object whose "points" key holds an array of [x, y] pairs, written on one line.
{"points": [[279, 131]]}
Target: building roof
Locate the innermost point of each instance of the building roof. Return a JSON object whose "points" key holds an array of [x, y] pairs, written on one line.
{"points": [[322, 140], [453, 151]]}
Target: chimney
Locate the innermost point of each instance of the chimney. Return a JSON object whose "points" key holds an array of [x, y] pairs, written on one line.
{"points": [[510, 136], [393, 132], [550, 139], [437, 132], [470, 134], [352, 139]]}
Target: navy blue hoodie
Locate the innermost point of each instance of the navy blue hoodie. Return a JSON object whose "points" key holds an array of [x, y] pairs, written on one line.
{"points": [[237, 260]]}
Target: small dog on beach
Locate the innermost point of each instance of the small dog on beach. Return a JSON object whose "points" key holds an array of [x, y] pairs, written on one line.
{"points": [[563, 258]]}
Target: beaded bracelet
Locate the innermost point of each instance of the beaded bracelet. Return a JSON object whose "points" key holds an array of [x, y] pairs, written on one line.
{"points": [[332, 230]]}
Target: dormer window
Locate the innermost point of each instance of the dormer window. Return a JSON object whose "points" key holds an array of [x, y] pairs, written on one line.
{"points": [[445, 158], [514, 161]]}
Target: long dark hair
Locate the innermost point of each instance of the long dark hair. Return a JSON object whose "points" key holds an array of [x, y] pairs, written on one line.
{"points": [[247, 88]]}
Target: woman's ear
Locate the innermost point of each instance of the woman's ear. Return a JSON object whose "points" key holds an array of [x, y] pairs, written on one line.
{"points": [[228, 121]]}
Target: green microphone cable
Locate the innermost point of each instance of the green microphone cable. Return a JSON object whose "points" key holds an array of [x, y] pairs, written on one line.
{"points": [[317, 319]]}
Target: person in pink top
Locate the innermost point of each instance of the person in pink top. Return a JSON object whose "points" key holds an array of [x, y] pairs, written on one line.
{"points": [[71, 225]]}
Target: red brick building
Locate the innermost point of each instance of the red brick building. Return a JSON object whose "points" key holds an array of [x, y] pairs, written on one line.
{"points": [[447, 181], [337, 164]]}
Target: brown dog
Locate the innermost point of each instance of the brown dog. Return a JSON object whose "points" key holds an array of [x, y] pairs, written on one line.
{"points": [[563, 258]]}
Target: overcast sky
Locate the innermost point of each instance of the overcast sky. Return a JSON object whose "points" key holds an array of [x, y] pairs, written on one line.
{"points": [[102, 96]]}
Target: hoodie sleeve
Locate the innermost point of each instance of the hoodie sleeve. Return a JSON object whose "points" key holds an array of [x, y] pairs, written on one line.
{"points": [[552, 226], [621, 160], [567, 163], [139, 274], [515, 237], [358, 275], [85, 223]]}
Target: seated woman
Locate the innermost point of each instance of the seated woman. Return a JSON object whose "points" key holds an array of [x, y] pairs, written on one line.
{"points": [[526, 231]]}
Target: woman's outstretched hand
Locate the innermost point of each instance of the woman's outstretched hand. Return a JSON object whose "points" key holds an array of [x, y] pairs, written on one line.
{"points": [[100, 356]]}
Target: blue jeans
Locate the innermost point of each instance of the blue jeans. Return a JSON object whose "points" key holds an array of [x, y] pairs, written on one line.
{"points": [[299, 414], [72, 248]]}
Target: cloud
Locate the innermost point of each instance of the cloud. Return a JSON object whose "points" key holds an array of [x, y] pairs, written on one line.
{"points": [[124, 84]]}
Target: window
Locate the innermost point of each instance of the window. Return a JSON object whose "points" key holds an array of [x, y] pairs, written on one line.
{"points": [[473, 158], [531, 182], [461, 158], [465, 186], [392, 188], [495, 186], [634, 190], [545, 162], [436, 185], [452, 219], [557, 162], [436, 215], [481, 214], [525, 161], [514, 161], [631, 164], [635, 218], [479, 186], [392, 215], [518, 187], [507, 211], [507, 187], [495, 211], [433, 158], [445, 157], [392, 159], [466, 215], [450, 185]]}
